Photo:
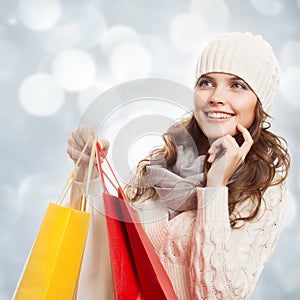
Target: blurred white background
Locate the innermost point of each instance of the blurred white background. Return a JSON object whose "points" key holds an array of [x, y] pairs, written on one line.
{"points": [[57, 55]]}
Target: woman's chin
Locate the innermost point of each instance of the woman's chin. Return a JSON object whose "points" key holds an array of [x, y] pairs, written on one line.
{"points": [[215, 134]]}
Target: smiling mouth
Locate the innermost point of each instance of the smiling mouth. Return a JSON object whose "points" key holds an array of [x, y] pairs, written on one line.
{"points": [[218, 115]]}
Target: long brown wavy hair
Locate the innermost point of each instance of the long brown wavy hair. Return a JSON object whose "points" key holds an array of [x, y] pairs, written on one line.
{"points": [[267, 156]]}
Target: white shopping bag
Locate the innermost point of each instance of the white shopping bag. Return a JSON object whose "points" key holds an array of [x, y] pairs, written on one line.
{"points": [[96, 281]]}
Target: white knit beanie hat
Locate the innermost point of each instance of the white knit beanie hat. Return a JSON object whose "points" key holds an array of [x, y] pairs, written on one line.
{"points": [[247, 56]]}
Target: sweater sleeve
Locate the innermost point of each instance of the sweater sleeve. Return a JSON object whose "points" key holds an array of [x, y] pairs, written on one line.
{"points": [[226, 263]]}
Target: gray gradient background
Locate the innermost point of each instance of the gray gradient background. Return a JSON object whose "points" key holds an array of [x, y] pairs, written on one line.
{"points": [[164, 39]]}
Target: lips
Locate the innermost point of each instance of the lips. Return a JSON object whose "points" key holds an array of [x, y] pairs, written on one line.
{"points": [[218, 115]]}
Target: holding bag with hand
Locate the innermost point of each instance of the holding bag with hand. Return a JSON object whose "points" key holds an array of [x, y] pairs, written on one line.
{"points": [[95, 280]]}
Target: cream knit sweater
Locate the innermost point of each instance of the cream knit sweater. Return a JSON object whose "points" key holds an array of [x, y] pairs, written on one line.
{"points": [[204, 257]]}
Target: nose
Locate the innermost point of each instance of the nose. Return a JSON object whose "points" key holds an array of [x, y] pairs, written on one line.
{"points": [[214, 101], [217, 97]]}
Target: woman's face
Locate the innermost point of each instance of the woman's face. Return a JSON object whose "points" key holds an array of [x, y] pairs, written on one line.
{"points": [[221, 102]]}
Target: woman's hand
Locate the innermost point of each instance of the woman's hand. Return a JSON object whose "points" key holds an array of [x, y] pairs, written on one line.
{"points": [[76, 143], [225, 156]]}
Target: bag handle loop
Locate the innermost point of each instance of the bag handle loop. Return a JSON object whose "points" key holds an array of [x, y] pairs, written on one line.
{"points": [[73, 174], [104, 176]]}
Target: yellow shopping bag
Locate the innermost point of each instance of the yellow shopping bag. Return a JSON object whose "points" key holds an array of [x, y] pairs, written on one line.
{"points": [[53, 266]]}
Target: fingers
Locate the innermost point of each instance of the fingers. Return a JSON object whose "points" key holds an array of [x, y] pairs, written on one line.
{"points": [[213, 150], [73, 144], [223, 144], [78, 140], [74, 154], [104, 144], [248, 141], [219, 146], [81, 135]]}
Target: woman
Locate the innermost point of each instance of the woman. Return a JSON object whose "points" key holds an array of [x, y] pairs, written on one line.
{"points": [[218, 182]]}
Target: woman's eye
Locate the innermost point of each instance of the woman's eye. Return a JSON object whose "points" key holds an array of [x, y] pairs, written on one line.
{"points": [[205, 83], [239, 85]]}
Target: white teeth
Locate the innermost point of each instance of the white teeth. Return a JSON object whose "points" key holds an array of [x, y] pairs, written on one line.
{"points": [[215, 115]]}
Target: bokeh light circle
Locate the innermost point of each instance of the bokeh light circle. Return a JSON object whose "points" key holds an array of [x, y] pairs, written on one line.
{"points": [[187, 33], [117, 35], [40, 95], [74, 69], [92, 26], [130, 61], [289, 85], [61, 38], [267, 7], [39, 15], [289, 55], [214, 14]]}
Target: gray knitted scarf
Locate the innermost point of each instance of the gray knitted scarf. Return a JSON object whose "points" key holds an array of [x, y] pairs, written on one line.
{"points": [[176, 186]]}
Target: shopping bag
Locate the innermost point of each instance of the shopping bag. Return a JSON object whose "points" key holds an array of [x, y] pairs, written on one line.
{"points": [[95, 280], [54, 263], [53, 266], [126, 280], [137, 270]]}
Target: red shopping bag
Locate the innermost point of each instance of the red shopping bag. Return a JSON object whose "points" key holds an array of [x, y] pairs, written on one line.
{"points": [[137, 270]]}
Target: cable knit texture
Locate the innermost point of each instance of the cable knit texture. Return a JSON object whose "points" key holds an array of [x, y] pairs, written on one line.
{"points": [[204, 257]]}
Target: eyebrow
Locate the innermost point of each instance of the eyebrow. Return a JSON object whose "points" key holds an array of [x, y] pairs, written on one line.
{"points": [[232, 77]]}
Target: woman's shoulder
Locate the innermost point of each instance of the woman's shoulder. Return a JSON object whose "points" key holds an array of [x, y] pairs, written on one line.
{"points": [[274, 199], [150, 210]]}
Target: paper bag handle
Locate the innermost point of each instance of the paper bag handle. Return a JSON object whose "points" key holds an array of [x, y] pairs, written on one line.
{"points": [[104, 176], [73, 174], [87, 176]]}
